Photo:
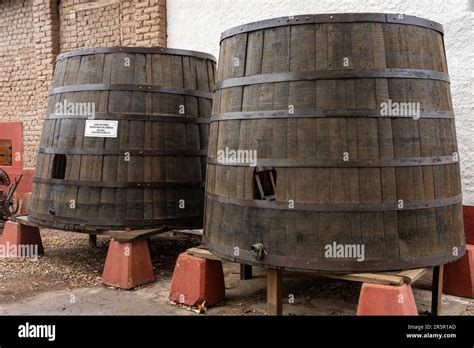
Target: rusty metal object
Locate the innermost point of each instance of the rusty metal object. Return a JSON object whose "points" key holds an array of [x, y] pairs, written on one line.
{"points": [[4, 178], [9, 204]]}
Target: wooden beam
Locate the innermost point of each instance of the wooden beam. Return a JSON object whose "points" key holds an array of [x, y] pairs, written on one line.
{"points": [[188, 233], [245, 272], [132, 235], [385, 278], [413, 275], [437, 290], [274, 292], [202, 253], [198, 232], [375, 278]]}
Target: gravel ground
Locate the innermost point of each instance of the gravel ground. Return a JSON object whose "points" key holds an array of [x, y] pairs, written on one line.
{"points": [[70, 263]]}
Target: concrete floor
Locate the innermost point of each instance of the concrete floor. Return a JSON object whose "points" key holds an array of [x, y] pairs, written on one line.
{"points": [[313, 296]]}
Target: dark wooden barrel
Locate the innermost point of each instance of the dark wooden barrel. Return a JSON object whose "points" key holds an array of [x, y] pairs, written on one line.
{"points": [[138, 160], [349, 175]]}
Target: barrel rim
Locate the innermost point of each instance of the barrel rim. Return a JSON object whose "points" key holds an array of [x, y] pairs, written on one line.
{"points": [[76, 224], [305, 264], [362, 17], [126, 49]]}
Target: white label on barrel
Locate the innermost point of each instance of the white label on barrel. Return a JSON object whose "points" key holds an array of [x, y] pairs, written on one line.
{"points": [[101, 129]]}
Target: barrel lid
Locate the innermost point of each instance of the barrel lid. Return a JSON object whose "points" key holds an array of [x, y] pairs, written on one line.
{"points": [[333, 18], [144, 50]]}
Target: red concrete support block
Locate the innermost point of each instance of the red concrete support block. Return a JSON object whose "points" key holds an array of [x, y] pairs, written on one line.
{"points": [[377, 299], [468, 214], [128, 265], [21, 240], [196, 280], [459, 275], [25, 202]]}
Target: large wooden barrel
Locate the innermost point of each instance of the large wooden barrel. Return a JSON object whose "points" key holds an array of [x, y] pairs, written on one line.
{"points": [[125, 140], [350, 174]]}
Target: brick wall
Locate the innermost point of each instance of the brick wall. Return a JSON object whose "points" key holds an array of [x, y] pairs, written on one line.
{"points": [[33, 32], [112, 23], [17, 78], [46, 28]]}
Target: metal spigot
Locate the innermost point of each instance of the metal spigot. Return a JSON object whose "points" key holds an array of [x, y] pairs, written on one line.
{"points": [[258, 251]]}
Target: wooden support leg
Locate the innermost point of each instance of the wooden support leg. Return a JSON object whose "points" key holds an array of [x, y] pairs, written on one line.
{"points": [[245, 272], [92, 240], [274, 292], [437, 290]]}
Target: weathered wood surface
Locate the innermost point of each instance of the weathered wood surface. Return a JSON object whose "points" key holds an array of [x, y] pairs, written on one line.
{"points": [[188, 233], [437, 290], [412, 275], [386, 278], [202, 253], [162, 102], [132, 235], [345, 166], [274, 292]]}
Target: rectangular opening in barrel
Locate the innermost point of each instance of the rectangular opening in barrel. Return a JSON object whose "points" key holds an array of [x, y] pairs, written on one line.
{"points": [[59, 166], [265, 184]]}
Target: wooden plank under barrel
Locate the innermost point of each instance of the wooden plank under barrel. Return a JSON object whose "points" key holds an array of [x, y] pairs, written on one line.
{"points": [[353, 125], [147, 169]]}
